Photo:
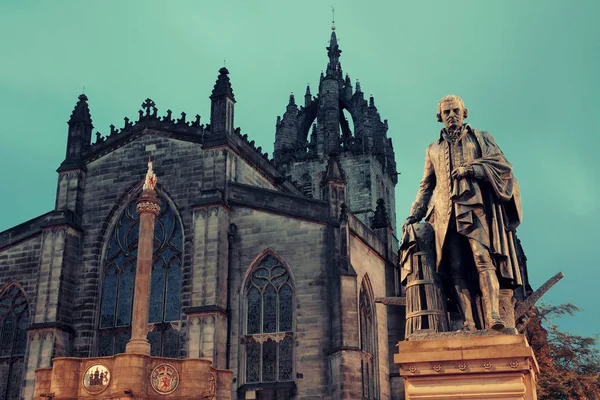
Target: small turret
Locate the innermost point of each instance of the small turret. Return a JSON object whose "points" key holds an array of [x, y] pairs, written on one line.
{"points": [[307, 96], [286, 135], [222, 103], [79, 135], [334, 172], [348, 87], [333, 185], [380, 219]]}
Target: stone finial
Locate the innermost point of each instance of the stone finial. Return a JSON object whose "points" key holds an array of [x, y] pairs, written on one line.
{"points": [[333, 52], [380, 219], [333, 171], [150, 180], [81, 112], [307, 96], [223, 85]]}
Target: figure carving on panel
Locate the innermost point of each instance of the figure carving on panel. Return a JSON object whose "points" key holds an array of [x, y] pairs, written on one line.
{"points": [[470, 197]]}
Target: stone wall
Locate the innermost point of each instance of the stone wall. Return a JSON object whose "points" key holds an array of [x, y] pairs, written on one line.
{"points": [[58, 258], [19, 263], [112, 181], [365, 183], [370, 269], [301, 245]]}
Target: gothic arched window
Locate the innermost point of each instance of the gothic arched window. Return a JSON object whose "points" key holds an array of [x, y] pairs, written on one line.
{"points": [[368, 344], [165, 286], [14, 321], [269, 299]]}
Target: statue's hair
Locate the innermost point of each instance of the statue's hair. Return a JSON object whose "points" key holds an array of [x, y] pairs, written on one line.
{"points": [[450, 97]]}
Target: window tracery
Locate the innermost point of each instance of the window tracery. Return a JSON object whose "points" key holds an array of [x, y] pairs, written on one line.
{"points": [[269, 296], [119, 279], [14, 321]]}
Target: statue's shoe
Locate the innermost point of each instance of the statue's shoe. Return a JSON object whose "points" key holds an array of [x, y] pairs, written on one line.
{"points": [[496, 322], [468, 327]]}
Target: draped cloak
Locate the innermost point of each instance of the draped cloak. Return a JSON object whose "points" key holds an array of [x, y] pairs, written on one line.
{"points": [[486, 207]]}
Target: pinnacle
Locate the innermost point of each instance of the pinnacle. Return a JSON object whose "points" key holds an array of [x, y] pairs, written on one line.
{"points": [[334, 171], [333, 52], [380, 219], [81, 112], [223, 85]]}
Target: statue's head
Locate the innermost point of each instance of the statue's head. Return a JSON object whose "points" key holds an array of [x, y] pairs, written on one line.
{"points": [[451, 111]]}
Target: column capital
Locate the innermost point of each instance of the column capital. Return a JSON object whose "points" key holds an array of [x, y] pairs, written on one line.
{"points": [[148, 202]]}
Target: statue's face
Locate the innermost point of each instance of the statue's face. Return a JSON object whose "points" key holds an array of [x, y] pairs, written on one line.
{"points": [[452, 114]]}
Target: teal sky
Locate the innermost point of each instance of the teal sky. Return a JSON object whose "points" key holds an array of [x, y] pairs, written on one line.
{"points": [[527, 71]]}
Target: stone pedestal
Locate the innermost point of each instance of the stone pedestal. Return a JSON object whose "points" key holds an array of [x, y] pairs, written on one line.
{"points": [[474, 367]]}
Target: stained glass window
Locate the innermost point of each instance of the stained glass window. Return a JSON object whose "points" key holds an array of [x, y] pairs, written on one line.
{"points": [[164, 341], [367, 344], [14, 321], [119, 279], [269, 323]]}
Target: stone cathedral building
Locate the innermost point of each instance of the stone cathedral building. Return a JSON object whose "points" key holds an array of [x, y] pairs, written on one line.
{"points": [[269, 267]]}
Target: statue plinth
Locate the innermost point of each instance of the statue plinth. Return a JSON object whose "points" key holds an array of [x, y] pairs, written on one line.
{"points": [[478, 367]]}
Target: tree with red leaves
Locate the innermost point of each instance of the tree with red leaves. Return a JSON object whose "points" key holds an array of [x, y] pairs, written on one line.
{"points": [[569, 364]]}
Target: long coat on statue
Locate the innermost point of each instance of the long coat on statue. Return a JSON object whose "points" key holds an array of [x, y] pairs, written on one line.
{"points": [[487, 207]]}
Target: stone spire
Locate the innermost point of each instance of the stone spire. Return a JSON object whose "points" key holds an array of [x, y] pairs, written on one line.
{"points": [[380, 219], [81, 112], [79, 135], [333, 52], [307, 96], [222, 103], [333, 172], [222, 86], [148, 206]]}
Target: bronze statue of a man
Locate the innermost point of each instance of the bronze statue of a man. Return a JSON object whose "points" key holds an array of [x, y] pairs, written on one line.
{"points": [[469, 195]]}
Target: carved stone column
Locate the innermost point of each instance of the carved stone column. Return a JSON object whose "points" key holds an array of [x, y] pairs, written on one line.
{"points": [[148, 207]]}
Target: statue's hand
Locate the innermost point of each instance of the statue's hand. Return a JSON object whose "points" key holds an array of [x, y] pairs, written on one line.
{"points": [[464, 171], [410, 220]]}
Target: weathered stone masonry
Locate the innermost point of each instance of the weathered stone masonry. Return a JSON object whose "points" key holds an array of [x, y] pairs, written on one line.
{"points": [[313, 206]]}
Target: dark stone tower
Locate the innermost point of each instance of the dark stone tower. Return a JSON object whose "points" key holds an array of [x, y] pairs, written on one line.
{"points": [[338, 120], [221, 106]]}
